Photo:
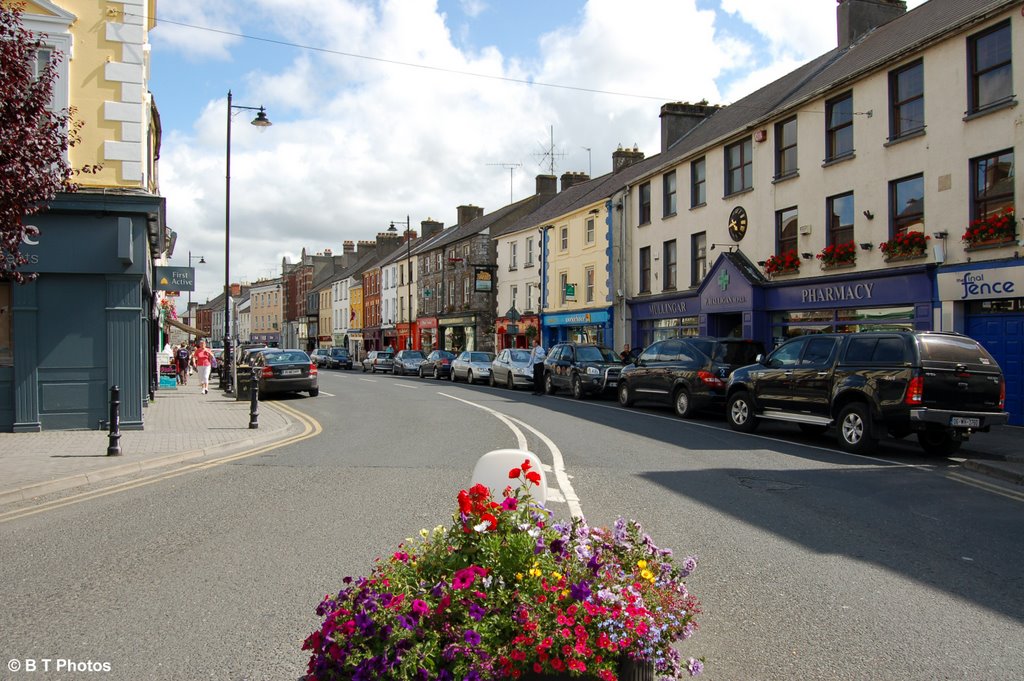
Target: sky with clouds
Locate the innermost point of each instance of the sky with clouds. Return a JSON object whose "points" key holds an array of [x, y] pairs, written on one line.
{"points": [[393, 108]]}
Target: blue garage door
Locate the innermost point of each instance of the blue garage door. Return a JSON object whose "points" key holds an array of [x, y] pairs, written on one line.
{"points": [[1003, 336]]}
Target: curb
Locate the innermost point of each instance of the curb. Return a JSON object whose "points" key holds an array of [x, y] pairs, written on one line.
{"points": [[27, 492], [1010, 473]]}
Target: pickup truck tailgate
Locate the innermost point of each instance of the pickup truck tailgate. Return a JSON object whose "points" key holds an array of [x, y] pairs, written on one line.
{"points": [[959, 375]]}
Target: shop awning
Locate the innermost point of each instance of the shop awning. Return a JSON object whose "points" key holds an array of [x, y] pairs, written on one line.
{"points": [[186, 328]]}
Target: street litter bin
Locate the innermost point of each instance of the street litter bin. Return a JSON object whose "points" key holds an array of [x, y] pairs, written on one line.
{"points": [[243, 382]]}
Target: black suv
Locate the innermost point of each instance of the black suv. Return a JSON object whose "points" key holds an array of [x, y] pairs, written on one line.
{"points": [[581, 368], [942, 386], [688, 373]]}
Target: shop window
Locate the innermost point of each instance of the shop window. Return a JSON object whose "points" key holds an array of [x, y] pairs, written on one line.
{"points": [[906, 205], [645, 203], [785, 230], [840, 219], [645, 269], [990, 61], [698, 183], [991, 184], [785, 148], [668, 185], [839, 127], [668, 258], [739, 166], [906, 100]]}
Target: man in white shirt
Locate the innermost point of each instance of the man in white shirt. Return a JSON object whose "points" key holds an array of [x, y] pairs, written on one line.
{"points": [[537, 357]]}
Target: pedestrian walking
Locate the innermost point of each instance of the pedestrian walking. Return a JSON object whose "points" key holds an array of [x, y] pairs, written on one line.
{"points": [[204, 364], [537, 357], [182, 357]]}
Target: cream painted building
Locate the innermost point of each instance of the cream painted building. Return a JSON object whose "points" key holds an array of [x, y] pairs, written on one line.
{"points": [[266, 311]]}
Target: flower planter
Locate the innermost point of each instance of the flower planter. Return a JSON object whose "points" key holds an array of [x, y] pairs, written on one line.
{"points": [[990, 243], [900, 257], [785, 272], [838, 265]]}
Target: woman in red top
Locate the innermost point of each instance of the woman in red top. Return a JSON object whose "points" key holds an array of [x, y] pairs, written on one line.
{"points": [[203, 359]]}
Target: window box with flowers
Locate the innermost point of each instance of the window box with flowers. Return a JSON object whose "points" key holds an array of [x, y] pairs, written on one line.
{"points": [[787, 262], [505, 592], [835, 256], [992, 230], [905, 246]]}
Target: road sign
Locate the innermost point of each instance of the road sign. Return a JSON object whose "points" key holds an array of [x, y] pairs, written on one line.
{"points": [[513, 314]]}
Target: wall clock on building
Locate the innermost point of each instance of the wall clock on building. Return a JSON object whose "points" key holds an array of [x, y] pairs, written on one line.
{"points": [[737, 223]]}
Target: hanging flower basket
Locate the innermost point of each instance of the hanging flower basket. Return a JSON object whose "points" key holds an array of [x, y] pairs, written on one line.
{"points": [[504, 592], [782, 263], [905, 246], [838, 255], [997, 228]]}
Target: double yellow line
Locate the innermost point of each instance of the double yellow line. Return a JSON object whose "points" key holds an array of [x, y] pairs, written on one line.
{"points": [[310, 428], [987, 486]]}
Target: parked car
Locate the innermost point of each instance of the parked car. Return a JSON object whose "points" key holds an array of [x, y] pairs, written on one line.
{"points": [[941, 386], [282, 371], [378, 360], [338, 358], [512, 367], [437, 364], [581, 368], [675, 371], [319, 355], [408, 362], [472, 365]]}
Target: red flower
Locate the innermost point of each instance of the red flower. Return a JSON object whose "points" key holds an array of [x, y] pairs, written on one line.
{"points": [[514, 473], [533, 477]]}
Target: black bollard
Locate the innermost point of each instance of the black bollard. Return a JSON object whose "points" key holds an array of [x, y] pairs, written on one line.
{"points": [[114, 445], [254, 399]]}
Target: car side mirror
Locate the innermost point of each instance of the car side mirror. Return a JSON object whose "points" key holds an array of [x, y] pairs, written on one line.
{"points": [[760, 358]]}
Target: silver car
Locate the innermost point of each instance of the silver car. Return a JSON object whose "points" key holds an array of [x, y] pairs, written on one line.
{"points": [[408, 362], [512, 367], [472, 366]]}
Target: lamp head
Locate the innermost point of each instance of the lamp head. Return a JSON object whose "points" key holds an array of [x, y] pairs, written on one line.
{"points": [[392, 228], [261, 120], [202, 260]]}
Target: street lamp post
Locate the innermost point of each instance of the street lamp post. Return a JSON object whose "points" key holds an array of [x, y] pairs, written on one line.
{"points": [[408, 272], [261, 121], [188, 307]]}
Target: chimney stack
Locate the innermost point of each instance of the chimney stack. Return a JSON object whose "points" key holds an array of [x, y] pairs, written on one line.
{"points": [[571, 179], [467, 214], [679, 118], [348, 247], [363, 247], [623, 158], [430, 227], [547, 185], [236, 290], [854, 18]]}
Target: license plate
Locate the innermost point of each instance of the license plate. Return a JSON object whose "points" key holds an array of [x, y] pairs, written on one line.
{"points": [[291, 372], [964, 422]]}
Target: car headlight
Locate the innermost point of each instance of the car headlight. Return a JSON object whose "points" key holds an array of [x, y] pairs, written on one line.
{"points": [[526, 371], [594, 371]]}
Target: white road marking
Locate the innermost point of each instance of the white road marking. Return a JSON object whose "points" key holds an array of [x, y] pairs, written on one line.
{"points": [[369, 380], [406, 385], [566, 492], [328, 394]]}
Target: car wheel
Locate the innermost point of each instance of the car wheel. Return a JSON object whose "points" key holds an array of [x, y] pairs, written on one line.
{"points": [[937, 442], [451, 375], [740, 413], [549, 385], [577, 387], [364, 368], [625, 399], [490, 381], [812, 428], [855, 429], [510, 382], [469, 377], [314, 392], [437, 374], [420, 372], [682, 403]]}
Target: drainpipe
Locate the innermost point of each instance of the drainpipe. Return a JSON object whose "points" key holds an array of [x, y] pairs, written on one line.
{"points": [[623, 231]]}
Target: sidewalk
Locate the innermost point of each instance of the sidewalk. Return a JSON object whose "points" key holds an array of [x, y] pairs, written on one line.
{"points": [[180, 425], [999, 454]]}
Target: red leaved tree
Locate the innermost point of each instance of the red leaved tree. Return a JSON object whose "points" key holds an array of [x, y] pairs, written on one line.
{"points": [[33, 140]]}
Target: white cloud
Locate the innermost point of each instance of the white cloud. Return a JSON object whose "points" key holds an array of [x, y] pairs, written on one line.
{"points": [[192, 42]]}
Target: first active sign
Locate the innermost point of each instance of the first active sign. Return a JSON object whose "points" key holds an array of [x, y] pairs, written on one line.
{"points": [[175, 279]]}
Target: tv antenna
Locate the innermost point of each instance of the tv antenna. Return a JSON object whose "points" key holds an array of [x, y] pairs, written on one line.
{"points": [[548, 153], [511, 170]]}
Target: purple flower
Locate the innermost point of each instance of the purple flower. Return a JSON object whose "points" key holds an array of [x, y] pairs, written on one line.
{"points": [[580, 591], [694, 666], [365, 624], [477, 612], [472, 675], [420, 607], [472, 637], [510, 504], [406, 622], [689, 565]]}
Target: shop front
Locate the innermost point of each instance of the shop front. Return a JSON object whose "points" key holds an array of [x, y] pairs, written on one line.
{"points": [[457, 332], [373, 339], [986, 302], [867, 301], [585, 326], [390, 337], [407, 337], [516, 334], [355, 346], [427, 329], [271, 339]]}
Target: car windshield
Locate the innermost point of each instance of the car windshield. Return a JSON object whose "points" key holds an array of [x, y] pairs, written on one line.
{"points": [[442, 354], [286, 357], [384, 355], [413, 354], [591, 353], [339, 353], [519, 356], [481, 357]]}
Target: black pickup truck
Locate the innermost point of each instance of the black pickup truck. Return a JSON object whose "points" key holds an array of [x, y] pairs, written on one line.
{"points": [[942, 386]]}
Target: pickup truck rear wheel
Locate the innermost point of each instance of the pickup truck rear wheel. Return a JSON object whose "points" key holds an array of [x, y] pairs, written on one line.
{"points": [[740, 413], [855, 429], [937, 442]]}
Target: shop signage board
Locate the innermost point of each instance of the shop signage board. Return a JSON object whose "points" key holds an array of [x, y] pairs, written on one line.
{"points": [[174, 279], [980, 284]]}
